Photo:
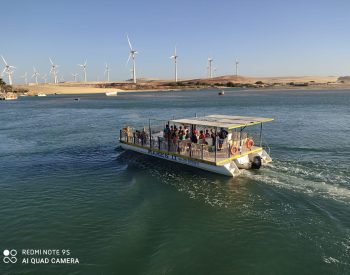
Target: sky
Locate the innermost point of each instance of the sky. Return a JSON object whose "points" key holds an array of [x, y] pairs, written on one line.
{"points": [[269, 38]]}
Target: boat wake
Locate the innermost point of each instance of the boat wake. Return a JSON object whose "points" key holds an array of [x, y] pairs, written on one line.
{"points": [[315, 179], [309, 178]]}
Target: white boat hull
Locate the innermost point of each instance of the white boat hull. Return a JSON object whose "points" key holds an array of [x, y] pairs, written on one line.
{"points": [[231, 168], [111, 93]]}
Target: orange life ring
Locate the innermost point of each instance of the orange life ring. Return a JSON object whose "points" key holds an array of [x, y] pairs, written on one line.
{"points": [[250, 143], [234, 150]]}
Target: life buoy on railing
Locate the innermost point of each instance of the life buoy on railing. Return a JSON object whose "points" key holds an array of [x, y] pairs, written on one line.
{"points": [[249, 143], [234, 150]]}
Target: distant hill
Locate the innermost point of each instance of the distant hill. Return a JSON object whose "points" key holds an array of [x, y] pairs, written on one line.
{"points": [[344, 79]]}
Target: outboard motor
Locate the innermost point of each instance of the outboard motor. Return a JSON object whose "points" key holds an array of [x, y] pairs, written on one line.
{"points": [[256, 163]]}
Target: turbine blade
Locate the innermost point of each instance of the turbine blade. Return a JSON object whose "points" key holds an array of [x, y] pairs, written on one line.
{"points": [[127, 62], [85, 62], [4, 60], [51, 61], [127, 36]]}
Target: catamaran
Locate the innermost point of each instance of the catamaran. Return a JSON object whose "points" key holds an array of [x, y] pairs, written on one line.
{"points": [[216, 143]]}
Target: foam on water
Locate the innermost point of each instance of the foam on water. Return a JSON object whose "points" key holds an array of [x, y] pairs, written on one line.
{"points": [[314, 179]]}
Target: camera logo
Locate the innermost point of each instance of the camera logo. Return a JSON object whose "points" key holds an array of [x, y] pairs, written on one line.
{"points": [[10, 256]]}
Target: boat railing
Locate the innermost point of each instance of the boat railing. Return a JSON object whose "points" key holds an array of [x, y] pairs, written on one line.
{"points": [[204, 150]]}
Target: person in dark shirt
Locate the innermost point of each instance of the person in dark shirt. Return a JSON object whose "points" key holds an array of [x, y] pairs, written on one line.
{"points": [[194, 138], [222, 135], [166, 131]]}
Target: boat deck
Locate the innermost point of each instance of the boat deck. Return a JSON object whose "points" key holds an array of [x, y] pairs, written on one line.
{"points": [[188, 150], [217, 147]]}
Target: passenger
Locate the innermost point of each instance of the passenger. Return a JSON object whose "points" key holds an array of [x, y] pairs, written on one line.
{"points": [[143, 137], [180, 132], [182, 135], [187, 132], [202, 135], [213, 136], [207, 135], [138, 136], [194, 138], [174, 138], [171, 131], [166, 132], [222, 135]]}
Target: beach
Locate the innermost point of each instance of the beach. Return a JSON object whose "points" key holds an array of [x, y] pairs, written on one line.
{"points": [[285, 82]]}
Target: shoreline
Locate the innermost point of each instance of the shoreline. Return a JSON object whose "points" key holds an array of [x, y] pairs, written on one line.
{"points": [[93, 90], [220, 83]]}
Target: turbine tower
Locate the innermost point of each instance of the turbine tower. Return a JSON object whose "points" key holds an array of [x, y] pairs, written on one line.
{"points": [[236, 63], [75, 77], [44, 77], [35, 75], [8, 70], [132, 55], [107, 72], [84, 66], [25, 78], [53, 71], [210, 61], [175, 62]]}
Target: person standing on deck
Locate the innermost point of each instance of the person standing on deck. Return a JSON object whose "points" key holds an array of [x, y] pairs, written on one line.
{"points": [[222, 135]]}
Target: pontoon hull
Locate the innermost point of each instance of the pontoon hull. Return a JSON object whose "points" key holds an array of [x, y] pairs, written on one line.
{"points": [[230, 169]]}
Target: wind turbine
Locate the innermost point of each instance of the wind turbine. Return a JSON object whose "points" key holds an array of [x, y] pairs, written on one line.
{"points": [[75, 77], [132, 55], [53, 71], [236, 63], [25, 78], [210, 61], [175, 62], [35, 75], [84, 66], [8, 70], [214, 71], [107, 72], [44, 77]]}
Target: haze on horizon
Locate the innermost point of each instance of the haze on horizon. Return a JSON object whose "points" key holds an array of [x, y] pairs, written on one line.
{"points": [[269, 38]]}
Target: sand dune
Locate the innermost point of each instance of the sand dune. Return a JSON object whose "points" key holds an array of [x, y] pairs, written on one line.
{"points": [[66, 88], [319, 82]]}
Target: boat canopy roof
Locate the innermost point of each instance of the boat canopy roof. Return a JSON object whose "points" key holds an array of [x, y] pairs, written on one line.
{"points": [[223, 121]]}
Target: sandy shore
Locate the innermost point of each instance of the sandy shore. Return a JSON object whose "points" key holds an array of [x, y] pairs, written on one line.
{"points": [[264, 83], [65, 89]]}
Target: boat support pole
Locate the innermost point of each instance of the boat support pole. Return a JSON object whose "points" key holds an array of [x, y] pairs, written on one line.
{"points": [[261, 134], [150, 134], [216, 141]]}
